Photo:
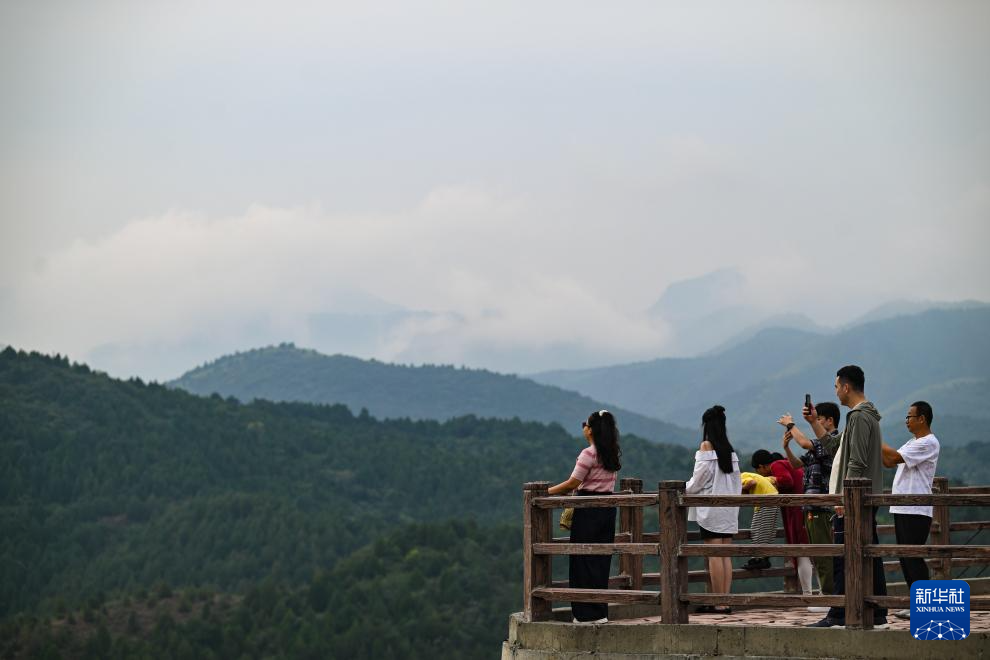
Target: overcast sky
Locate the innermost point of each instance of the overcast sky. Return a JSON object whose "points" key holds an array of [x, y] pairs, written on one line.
{"points": [[181, 179]]}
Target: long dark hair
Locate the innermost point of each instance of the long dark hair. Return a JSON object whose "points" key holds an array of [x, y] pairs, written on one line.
{"points": [[606, 436], [713, 425]]}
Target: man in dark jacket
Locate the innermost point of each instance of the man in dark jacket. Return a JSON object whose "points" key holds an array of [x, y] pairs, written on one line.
{"points": [[859, 455]]}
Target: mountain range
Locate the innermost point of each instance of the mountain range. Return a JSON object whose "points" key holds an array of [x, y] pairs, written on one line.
{"points": [[940, 355], [391, 391], [937, 355]]}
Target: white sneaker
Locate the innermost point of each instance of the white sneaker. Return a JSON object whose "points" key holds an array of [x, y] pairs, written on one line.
{"points": [[585, 622], [903, 614]]}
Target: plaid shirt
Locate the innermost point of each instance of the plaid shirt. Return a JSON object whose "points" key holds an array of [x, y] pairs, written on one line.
{"points": [[818, 466]]}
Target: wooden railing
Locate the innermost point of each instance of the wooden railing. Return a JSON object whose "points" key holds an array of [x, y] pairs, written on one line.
{"points": [[671, 545]]}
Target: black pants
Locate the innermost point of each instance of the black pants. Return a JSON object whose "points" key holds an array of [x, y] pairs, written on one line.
{"points": [[838, 614], [591, 571], [912, 529]]}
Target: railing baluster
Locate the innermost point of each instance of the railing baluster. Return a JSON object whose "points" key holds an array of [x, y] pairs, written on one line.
{"points": [[673, 567], [942, 535], [536, 568], [866, 538], [854, 562], [631, 522]]}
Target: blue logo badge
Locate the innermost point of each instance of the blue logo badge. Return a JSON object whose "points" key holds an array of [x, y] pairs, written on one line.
{"points": [[940, 609]]}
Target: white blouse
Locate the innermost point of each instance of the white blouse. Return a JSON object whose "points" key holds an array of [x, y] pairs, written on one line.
{"points": [[708, 479]]}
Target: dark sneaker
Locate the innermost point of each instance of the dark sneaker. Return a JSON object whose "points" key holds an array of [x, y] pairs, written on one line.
{"points": [[826, 623], [757, 564]]}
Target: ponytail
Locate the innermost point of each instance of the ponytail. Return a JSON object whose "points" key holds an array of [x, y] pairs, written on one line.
{"points": [[605, 433], [713, 425]]}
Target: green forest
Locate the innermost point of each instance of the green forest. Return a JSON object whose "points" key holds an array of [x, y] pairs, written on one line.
{"points": [[140, 521], [113, 490]]}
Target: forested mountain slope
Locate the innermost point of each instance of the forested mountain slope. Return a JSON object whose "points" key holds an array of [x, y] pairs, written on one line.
{"points": [[287, 373]]}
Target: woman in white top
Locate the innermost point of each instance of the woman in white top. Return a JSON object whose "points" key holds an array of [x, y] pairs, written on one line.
{"points": [[716, 472]]}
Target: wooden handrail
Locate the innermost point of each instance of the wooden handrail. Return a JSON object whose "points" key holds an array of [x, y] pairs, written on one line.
{"points": [[631, 544], [761, 500], [973, 490], [594, 501], [774, 600], [597, 595], [595, 548], [928, 500], [763, 550], [927, 551]]}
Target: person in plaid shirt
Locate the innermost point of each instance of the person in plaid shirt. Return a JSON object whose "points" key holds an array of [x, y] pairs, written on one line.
{"points": [[817, 463]]}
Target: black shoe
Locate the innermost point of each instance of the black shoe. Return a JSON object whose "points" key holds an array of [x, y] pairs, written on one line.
{"points": [[826, 623], [705, 609], [757, 564]]}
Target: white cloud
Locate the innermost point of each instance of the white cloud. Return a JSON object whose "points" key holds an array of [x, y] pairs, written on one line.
{"points": [[178, 276], [510, 283], [533, 176]]}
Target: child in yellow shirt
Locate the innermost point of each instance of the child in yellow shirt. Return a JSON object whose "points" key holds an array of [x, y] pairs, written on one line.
{"points": [[764, 525]]}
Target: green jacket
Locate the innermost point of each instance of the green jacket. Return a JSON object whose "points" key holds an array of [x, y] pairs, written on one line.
{"points": [[860, 447]]}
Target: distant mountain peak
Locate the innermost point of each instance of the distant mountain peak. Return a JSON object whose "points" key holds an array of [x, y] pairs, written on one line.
{"points": [[700, 296]]}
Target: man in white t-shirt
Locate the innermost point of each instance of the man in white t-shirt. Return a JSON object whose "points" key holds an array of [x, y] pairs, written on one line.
{"points": [[915, 461]]}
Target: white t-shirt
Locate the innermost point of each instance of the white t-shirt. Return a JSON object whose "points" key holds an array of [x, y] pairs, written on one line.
{"points": [[914, 476], [708, 479]]}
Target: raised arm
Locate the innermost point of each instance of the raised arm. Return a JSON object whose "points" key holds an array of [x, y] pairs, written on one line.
{"points": [[796, 435], [791, 458], [811, 416]]}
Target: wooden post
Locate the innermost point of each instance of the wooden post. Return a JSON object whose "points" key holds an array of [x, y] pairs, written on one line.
{"points": [[631, 522], [941, 517], [673, 567], [536, 568], [859, 569]]}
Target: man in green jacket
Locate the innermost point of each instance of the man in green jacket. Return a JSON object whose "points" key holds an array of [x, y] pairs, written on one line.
{"points": [[858, 455]]}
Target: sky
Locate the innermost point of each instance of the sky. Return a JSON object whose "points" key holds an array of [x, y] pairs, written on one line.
{"points": [[508, 185]]}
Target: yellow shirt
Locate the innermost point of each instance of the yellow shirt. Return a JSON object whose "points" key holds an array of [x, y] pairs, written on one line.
{"points": [[763, 485]]}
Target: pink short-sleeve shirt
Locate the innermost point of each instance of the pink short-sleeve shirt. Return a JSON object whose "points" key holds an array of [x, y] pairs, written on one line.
{"points": [[592, 474]]}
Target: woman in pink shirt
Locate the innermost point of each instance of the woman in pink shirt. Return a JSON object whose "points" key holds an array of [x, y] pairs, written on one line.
{"points": [[594, 473]]}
